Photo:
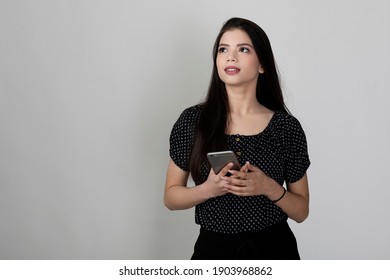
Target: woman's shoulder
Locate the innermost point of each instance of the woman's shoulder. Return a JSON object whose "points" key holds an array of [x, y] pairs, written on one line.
{"points": [[191, 114], [285, 119], [188, 119], [288, 126]]}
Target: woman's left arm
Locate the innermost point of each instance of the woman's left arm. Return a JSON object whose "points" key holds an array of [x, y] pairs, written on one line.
{"points": [[294, 201]]}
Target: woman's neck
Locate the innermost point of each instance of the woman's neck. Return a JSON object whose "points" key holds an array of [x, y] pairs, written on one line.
{"points": [[243, 101]]}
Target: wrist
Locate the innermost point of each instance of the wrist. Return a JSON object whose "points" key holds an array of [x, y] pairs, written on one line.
{"points": [[204, 191], [275, 192], [280, 197]]}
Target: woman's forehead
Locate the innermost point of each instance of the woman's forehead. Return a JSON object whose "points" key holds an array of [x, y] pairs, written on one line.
{"points": [[235, 36]]}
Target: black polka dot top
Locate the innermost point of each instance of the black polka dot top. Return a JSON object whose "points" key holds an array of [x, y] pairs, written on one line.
{"points": [[280, 150]]}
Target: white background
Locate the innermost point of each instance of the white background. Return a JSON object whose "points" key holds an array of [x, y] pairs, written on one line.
{"points": [[89, 91]]}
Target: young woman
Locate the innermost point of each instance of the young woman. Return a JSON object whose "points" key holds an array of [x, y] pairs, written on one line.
{"points": [[242, 216]]}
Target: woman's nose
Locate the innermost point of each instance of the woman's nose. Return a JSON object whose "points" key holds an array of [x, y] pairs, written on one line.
{"points": [[231, 57]]}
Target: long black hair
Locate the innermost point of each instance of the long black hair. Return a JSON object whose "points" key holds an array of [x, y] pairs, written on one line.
{"points": [[211, 129]]}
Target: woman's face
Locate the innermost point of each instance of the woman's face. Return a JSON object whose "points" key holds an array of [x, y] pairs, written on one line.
{"points": [[237, 62]]}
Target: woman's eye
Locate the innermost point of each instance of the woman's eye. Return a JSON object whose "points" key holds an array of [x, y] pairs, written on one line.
{"points": [[222, 50], [244, 50]]}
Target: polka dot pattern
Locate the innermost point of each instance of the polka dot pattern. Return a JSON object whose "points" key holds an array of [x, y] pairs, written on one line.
{"points": [[280, 151]]}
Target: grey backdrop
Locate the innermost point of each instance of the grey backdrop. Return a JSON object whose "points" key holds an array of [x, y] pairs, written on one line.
{"points": [[89, 91]]}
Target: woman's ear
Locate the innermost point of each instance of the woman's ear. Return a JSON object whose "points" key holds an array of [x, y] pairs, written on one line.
{"points": [[261, 69]]}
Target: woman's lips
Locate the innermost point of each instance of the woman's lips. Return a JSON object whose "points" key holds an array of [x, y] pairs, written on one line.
{"points": [[231, 70]]}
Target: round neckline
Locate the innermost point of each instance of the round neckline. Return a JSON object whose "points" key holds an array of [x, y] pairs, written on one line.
{"points": [[257, 134]]}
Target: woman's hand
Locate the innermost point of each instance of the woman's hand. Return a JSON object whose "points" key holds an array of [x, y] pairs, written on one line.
{"points": [[249, 181], [178, 196], [215, 185]]}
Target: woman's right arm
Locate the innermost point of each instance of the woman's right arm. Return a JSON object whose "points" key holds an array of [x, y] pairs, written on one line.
{"points": [[177, 196]]}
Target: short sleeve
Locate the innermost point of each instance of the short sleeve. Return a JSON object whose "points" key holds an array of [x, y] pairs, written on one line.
{"points": [[297, 157], [181, 138]]}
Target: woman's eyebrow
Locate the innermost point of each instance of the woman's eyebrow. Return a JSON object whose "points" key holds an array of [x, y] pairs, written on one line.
{"points": [[238, 45]]}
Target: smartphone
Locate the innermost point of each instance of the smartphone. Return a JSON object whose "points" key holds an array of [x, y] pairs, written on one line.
{"points": [[219, 160]]}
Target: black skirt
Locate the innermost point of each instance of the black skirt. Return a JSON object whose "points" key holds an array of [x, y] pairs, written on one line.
{"points": [[274, 243]]}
